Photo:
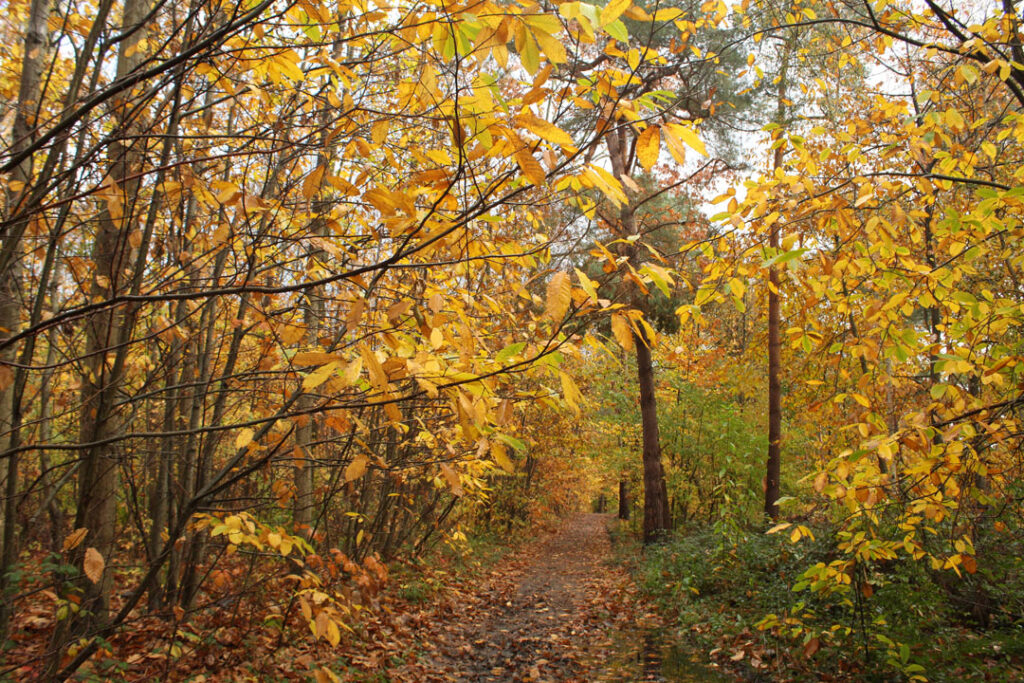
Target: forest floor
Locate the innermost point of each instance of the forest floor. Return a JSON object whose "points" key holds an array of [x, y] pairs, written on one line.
{"points": [[557, 609]]}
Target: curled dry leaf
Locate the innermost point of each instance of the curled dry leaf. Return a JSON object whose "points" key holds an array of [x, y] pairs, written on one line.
{"points": [[74, 539]]}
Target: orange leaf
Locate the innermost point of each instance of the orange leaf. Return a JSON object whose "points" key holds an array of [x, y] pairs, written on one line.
{"points": [[530, 167], [93, 565], [559, 296], [74, 539], [356, 468]]}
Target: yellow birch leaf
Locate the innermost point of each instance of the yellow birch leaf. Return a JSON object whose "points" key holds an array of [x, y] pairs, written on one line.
{"points": [[315, 379], [589, 286], [356, 468], [311, 185], [244, 438], [436, 338], [545, 129], [377, 375], [333, 634], [622, 331], [689, 136], [500, 456], [570, 392], [352, 372], [613, 10], [648, 146], [559, 296], [93, 565], [313, 358], [552, 47], [530, 167]]}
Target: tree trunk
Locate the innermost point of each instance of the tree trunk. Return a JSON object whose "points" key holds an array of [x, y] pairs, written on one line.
{"points": [[623, 499], [656, 514], [102, 374], [656, 518], [773, 469], [10, 290]]}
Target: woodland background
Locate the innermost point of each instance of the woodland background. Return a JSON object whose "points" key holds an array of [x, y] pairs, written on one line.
{"points": [[294, 294]]}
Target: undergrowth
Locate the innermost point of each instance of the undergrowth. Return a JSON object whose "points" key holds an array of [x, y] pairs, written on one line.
{"points": [[729, 594]]}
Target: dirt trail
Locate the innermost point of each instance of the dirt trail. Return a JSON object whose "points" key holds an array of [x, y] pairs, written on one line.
{"points": [[547, 614]]}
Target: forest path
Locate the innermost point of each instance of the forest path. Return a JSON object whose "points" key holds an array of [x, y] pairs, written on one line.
{"points": [[548, 612]]}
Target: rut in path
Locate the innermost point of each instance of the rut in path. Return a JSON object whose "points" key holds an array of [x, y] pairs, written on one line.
{"points": [[546, 615]]}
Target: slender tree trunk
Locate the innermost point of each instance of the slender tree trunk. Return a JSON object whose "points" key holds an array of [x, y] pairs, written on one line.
{"points": [[656, 518], [27, 109], [656, 512], [102, 372], [773, 469], [623, 499]]}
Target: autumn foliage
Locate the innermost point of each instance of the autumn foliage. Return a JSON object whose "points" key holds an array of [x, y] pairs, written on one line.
{"points": [[291, 292]]}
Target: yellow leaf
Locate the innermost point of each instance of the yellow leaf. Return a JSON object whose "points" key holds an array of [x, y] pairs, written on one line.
{"points": [[689, 136], [244, 438], [648, 146], [589, 286], [668, 14], [622, 331], [315, 379], [530, 167], [436, 338], [352, 372], [373, 366], [779, 527], [863, 400], [313, 358], [333, 634], [311, 185], [500, 456], [545, 129], [559, 296], [93, 565], [570, 392], [613, 10], [356, 468]]}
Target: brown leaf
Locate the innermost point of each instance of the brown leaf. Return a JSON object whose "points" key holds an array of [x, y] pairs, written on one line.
{"points": [[74, 539], [93, 565]]}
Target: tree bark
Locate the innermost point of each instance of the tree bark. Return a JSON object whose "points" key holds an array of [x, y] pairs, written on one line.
{"points": [[26, 111], [773, 468], [656, 517], [102, 374], [656, 513]]}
